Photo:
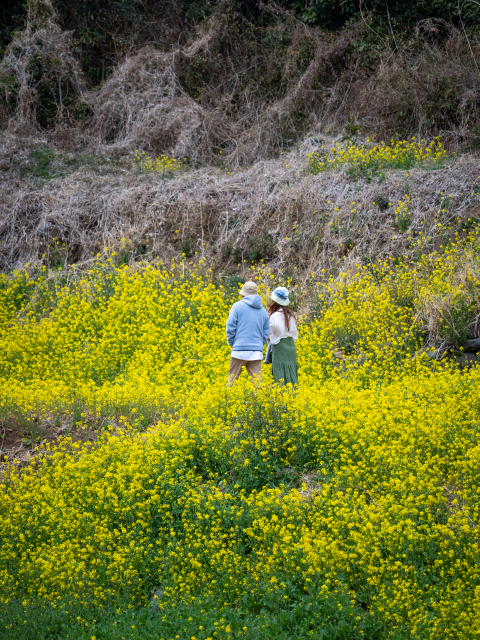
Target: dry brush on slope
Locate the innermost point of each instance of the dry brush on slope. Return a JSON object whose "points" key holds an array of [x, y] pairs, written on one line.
{"points": [[427, 86], [247, 91], [232, 97], [40, 76], [275, 210]]}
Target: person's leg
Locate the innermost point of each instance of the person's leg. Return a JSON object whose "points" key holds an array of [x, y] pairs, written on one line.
{"points": [[234, 370], [254, 368]]}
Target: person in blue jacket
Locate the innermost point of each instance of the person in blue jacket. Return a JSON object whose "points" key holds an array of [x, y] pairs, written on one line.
{"points": [[248, 326]]}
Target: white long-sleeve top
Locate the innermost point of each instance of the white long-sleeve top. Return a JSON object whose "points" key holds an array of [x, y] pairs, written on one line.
{"points": [[278, 329]]}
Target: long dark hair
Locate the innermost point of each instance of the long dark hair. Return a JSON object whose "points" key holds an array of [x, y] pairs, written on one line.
{"points": [[287, 312]]}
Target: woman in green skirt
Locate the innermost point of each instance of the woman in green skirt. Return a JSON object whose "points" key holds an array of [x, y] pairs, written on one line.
{"points": [[283, 333]]}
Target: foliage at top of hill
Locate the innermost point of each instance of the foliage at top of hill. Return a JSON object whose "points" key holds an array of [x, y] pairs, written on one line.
{"points": [[247, 86], [102, 30]]}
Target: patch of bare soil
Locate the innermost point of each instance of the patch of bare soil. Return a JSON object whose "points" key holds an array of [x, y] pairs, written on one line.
{"points": [[20, 440]]}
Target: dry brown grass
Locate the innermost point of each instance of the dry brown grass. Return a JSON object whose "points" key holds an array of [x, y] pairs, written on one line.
{"points": [[249, 94], [271, 211], [144, 104]]}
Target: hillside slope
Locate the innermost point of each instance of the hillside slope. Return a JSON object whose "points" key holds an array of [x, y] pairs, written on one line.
{"points": [[274, 210]]}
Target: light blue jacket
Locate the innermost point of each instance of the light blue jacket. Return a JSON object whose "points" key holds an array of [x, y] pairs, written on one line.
{"points": [[248, 325]]}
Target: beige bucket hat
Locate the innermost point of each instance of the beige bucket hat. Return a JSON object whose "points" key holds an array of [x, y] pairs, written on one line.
{"points": [[248, 289]]}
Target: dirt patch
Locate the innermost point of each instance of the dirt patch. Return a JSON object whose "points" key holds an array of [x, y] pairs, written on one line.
{"points": [[22, 440]]}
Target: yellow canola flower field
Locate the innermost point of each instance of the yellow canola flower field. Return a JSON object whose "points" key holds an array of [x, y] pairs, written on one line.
{"points": [[163, 164], [347, 507], [368, 158]]}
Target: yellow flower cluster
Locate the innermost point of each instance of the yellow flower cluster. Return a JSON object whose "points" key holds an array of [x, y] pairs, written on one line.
{"points": [[370, 158], [403, 214], [351, 503], [162, 164]]}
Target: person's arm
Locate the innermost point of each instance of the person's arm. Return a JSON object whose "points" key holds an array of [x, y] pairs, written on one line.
{"points": [[266, 328], [232, 325], [293, 329]]}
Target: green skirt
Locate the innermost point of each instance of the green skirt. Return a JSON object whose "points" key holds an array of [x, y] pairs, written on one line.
{"points": [[284, 361]]}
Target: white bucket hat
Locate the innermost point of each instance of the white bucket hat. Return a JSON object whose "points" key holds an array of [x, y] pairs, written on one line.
{"points": [[280, 295], [248, 289]]}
